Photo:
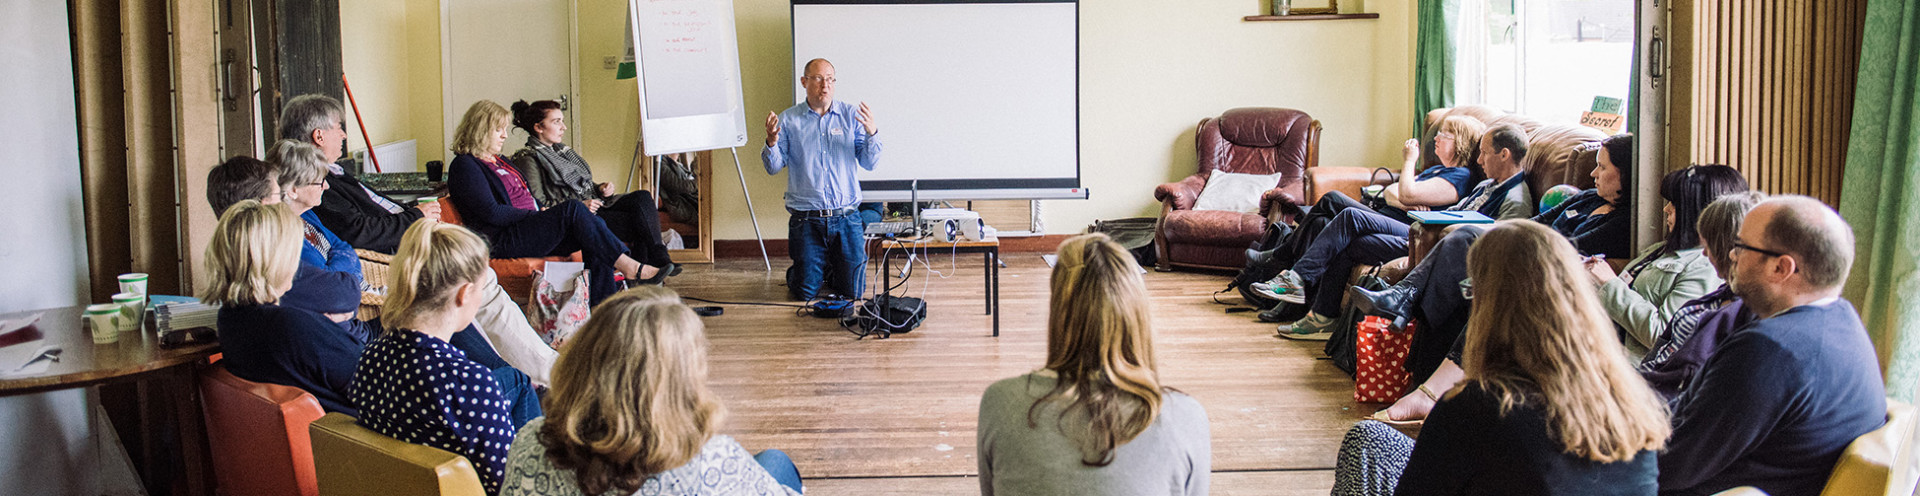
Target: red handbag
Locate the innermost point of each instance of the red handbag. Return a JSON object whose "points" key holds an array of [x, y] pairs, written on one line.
{"points": [[1380, 371]]}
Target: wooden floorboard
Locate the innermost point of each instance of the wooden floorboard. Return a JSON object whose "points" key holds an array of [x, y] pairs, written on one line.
{"points": [[1261, 483], [883, 410]]}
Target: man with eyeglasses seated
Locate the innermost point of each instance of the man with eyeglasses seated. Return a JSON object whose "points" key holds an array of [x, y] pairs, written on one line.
{"points": [[358, 214], [822, 141], [1782, 398]]}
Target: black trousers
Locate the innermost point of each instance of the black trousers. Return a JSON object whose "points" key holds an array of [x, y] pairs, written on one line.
{"points": [[635, 220], [562, 230]]}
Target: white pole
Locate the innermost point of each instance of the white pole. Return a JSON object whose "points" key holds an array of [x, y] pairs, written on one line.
{"points": [[750, 213]]}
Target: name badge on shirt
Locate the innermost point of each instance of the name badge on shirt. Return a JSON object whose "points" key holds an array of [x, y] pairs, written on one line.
{"points": [[834, 131], [502, 172]]}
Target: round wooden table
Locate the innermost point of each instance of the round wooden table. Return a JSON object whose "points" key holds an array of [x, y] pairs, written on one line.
{"points": [[136, 356], [83, 363]]}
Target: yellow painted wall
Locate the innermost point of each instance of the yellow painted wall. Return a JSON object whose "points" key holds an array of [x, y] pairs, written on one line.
{"points": [[1150, 70], [423, 78], [391, 56]]}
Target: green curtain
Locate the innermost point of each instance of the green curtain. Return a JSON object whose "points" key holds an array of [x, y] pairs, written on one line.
{"points": [[1433, 59], [1880, 195]]}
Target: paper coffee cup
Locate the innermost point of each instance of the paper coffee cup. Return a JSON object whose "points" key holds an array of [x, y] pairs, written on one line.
{"points": [[426, 199], [135, 283], [104, 319], [133, 307]]}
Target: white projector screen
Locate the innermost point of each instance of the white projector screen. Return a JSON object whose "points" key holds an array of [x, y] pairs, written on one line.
{"points": [[974, 100]]}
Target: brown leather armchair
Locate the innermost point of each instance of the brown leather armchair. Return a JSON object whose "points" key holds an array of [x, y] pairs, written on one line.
{"points": [[1251, 140]]}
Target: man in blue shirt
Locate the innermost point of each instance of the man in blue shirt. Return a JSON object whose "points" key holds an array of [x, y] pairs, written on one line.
{"points": [[822, 141]]}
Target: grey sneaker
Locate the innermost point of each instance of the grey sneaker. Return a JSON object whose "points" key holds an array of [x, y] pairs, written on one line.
{"points": [[1285, 286], [1312, 328]]}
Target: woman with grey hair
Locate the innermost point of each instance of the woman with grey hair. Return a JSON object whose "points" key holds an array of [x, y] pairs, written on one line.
{"points": [[301, 172], [1698, 326]]}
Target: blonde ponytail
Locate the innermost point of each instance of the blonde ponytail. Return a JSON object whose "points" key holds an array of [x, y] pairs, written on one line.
{"points": [[434, 258]]}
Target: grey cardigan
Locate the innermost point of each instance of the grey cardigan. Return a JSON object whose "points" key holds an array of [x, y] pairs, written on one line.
{"points": [[1642, 307]]}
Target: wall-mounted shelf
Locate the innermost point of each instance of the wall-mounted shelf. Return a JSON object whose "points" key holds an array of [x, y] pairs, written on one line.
{"points": [[1311, 17]]}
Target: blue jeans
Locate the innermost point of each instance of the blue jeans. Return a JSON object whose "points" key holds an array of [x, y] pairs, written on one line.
{"points": [[829, 250], [777, 463], [522, 404], [1355, 236]]}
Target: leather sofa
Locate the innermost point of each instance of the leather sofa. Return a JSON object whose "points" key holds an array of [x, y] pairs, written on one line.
{"points": [[355, 461], [1252, 140], [257, 434], [1556, 154]]}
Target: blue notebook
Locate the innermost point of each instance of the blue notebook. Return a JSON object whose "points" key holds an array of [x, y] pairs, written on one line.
{"points": [[1450, 217]]}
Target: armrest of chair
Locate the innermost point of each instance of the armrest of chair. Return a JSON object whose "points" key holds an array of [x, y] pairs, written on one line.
{"points": [[1279, 205], [1421, 238], [1181, 195], [353, 460], [1349, 180]]}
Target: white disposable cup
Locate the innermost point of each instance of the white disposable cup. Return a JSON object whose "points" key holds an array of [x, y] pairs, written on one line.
{"points": [[135, 283], [133, 306], [104, 318]]}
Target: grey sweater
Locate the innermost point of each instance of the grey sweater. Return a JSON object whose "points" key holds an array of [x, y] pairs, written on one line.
{"points": [[1172, 457]]}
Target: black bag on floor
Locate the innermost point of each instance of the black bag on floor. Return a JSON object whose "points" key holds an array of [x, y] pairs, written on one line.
{"points": [[1342, 346], [1135, 234], [1287, 244], [886, 315]]}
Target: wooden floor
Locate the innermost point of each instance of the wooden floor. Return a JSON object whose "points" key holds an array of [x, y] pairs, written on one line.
{"points": [[896, 416]]}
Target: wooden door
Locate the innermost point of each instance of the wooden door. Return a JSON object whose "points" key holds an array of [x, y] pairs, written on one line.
{"points": [[506, 50]]}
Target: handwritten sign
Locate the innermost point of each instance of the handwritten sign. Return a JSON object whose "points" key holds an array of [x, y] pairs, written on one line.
{"points": [[683, 48], [687, 60], [1611, 123]]}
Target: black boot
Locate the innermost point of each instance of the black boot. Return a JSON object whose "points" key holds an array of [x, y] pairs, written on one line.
{"points": [[1391, 302], [1257, 258]]}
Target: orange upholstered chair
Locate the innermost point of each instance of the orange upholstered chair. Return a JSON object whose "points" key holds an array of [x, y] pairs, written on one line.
{"points": [[258, 435], [516, 274]]}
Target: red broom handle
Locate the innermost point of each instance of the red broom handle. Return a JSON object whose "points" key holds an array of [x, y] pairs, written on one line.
{"points": [[362, 123]]}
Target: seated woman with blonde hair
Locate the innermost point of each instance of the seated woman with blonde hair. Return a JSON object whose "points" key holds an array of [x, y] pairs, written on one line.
{"points": [[631, 414], [493, 198], [1547, 406], [251, 262], [412, 384], [1096, 419]]}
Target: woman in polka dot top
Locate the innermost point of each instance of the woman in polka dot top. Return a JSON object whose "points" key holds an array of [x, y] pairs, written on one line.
{"points": [[411, 384], [631, 414]]}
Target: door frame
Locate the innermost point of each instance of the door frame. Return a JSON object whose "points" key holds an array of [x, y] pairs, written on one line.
{"points": [[1659, 67], [450, 115]]}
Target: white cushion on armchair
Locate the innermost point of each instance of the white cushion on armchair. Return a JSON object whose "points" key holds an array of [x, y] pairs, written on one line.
{"points": [[1235, 192]]}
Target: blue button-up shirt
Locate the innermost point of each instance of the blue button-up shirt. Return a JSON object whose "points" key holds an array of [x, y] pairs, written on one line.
{"points": [[822, 150]]}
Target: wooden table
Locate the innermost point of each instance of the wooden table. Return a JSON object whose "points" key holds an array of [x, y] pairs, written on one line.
{"points": [[137, 356], [988, 248]]}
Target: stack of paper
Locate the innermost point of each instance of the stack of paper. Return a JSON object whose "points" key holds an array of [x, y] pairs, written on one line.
{"points": [[182, 316]]}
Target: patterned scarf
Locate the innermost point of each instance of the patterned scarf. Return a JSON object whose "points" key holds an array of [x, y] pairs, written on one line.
{"points": [[568, 177]]}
